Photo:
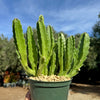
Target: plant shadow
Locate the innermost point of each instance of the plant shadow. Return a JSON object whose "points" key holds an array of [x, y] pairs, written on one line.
{"points": [[85, 89]]}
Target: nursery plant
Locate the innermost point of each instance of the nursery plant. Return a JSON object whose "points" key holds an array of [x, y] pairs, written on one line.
{"points": [[47, 56]]}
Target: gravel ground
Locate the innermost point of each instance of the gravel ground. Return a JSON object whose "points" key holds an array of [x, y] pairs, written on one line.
{"points": [[76, 92]]}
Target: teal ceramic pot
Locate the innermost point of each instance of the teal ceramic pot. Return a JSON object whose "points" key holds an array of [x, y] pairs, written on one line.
{"points": [[49, 90]]}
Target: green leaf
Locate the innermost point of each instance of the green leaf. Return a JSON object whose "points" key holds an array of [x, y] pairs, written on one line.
{"points": [[20, 44], [52, 64], [61, 52], [70, 45], [32, 49], [42, 37], [80, 54]]}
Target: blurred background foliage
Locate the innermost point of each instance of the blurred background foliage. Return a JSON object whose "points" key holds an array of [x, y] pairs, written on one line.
{"points": [[8, 56], [90, 72]]}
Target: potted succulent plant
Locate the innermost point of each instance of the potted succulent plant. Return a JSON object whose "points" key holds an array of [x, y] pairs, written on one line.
{"points": [[50, 63]]}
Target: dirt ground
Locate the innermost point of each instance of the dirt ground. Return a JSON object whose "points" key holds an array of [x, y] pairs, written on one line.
{"points": [[76, 92], [84, 92]]}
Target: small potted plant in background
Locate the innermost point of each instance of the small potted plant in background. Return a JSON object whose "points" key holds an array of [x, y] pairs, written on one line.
{"points": [[50, 63]]}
